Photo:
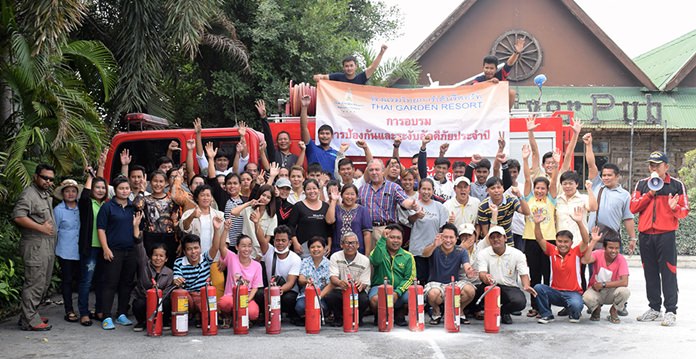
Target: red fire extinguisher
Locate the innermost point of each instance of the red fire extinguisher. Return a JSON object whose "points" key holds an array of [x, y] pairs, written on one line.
{"points": [[241, 312], [272, 305], [180, 312], [208, 309], [153, 299], [351, 313], [416, 308], [491, 309], [385, 307], [452, 295], [313, 311]]}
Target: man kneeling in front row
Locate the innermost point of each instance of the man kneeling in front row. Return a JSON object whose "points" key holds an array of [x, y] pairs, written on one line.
{"points": [[609, 281]]}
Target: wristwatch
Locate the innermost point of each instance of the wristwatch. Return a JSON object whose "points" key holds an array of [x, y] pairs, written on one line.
{"points": [[604, 284]]}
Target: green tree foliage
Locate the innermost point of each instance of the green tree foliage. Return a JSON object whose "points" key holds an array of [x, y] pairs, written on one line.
{"points": [[287, 40], [687, 173]]}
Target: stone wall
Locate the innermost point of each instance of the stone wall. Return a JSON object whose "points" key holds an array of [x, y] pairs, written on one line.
{"points": [[678, 143]]}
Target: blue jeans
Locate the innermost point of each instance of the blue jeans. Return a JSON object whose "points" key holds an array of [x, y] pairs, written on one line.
{"points": [[300, 306], [547, 296], [400, 302], [88, 266]]}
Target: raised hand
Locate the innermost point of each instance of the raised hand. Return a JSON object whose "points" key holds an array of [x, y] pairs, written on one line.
{"points": [[531, 123], [539, 215], [476, 158], [197, 127], [420, 213], [302, 145], [242, 128], [438, 240], [501, 157], [361, 144], [262, 145], [578, 214], [515, 192], [397, 141], [526, 151], [196, 212], [577, 126], [173, 146], [335, 196], [494, 209], [218, 222], [137, 218], [261, 178], [556, 156], [274, 171], [323, 179], [501, 141], [596, 236], [210, 151], [102, 157], [588, 184], [191, 144], [383, 48], [125, 157], [255, 215], [443, 148], [426, 140], [306, 100], [673, 201], [587, 139], [261, 108], [228, 224], [519, 44], [344, 147]]}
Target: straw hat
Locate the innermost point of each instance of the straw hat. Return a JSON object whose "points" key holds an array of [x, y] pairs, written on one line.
{"points": [[58, 192]]}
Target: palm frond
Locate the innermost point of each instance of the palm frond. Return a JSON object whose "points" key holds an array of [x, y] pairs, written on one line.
{"points": [[98, 56], [235, 48], [50, 22], [188, 20]]}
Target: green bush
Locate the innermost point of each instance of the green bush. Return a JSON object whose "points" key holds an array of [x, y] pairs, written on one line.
{"points": [[686, 236], [11, 264]]}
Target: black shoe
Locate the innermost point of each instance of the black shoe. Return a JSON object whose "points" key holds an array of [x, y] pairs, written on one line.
{"points": [[517, 313], [338, 322], [139, 327], [563, 312], [506, 319], [400, 320], [623, 312]]}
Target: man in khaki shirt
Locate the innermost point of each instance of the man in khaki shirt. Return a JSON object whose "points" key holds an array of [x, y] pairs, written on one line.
{"points": [[33, 214]]}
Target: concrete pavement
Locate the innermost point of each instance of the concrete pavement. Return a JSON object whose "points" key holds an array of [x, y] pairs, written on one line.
{"points": [[525, 338]]}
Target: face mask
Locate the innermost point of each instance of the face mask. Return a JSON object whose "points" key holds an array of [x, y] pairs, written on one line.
{"points": [[286, 250]]}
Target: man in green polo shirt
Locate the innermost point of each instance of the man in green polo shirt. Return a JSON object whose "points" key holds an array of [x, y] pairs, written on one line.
{"points": [[389, 260]]}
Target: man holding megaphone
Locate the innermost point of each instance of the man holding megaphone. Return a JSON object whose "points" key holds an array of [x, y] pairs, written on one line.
{"points": [[660, 201]]}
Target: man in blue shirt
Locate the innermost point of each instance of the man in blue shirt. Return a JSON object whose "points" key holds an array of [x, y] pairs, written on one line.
{"points": [[322, 154], [349, 67]]}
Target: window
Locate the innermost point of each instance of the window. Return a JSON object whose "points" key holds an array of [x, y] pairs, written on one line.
{"points": [[144, 153], [601, 152]]}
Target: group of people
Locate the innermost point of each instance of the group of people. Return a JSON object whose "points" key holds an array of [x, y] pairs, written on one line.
{"points": [[329, 224]]}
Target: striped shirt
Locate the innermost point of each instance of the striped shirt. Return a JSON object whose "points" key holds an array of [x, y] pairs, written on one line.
{"points": [[382, 202], [237, 221], [506, 212], [194, 276]]}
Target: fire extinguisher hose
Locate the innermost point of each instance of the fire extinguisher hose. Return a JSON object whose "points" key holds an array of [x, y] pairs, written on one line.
{"points": [[493, 285]]}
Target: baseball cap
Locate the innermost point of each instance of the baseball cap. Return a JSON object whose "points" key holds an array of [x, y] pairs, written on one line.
{"points": [[658, 157], [283, 182], [466, 228], [461, 179], [496, 229]]}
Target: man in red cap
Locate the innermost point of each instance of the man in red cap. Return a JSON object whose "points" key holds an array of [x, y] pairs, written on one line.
{"points": [[660, 207]]}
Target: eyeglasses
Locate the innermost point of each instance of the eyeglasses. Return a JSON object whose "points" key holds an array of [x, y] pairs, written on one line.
{"points": [[352, 244], [46, 178]]}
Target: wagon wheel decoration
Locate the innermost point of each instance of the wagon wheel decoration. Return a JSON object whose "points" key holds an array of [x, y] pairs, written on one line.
{"points": [[530, 59]]}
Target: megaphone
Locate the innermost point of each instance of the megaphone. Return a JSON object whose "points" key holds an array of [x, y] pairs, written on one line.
{"points": [[539, 80], [655, 183]]}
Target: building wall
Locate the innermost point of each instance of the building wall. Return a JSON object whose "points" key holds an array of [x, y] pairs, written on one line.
{"points": [[571, 53], [644, 143], [689, 80]]}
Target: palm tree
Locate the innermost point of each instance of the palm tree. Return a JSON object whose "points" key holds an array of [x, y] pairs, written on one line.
{"points": [[156, 28], [53, 117], [389, 69]]}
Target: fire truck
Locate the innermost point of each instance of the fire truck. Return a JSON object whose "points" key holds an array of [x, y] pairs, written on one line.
{"points": [[147, 137]]}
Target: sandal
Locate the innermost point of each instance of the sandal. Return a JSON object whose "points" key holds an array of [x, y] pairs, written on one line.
{"points": [[435, 319], [71, 317], [226, 323], [532, 313], [613, 320], [86, 323]]}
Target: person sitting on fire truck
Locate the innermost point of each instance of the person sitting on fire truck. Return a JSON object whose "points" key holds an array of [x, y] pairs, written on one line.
{"points": [[349, 67], [222, 160], [491, 72]]}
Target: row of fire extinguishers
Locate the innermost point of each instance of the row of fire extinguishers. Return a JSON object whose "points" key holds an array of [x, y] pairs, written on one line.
{"points": [[314, 315]]}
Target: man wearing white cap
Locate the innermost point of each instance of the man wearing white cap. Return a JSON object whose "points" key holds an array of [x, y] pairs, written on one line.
{"points": [[502, 265], [462, 208]]}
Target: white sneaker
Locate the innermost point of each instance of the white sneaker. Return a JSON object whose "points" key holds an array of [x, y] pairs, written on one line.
{"points": [[669, 320], [650, 316]]}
